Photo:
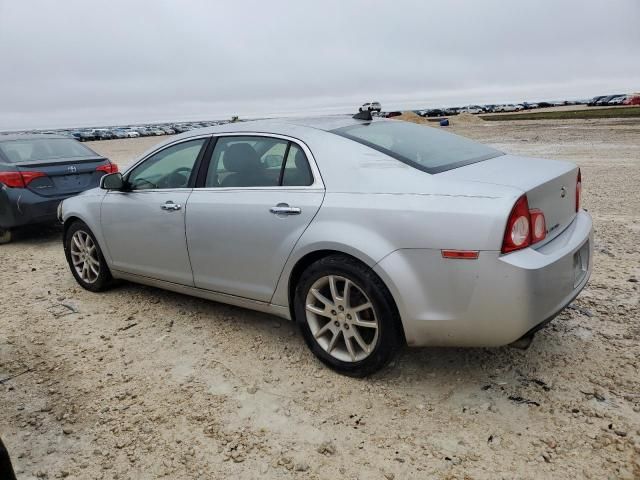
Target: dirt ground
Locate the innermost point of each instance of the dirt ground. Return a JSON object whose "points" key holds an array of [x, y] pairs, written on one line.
{"points": [[142, 383]]}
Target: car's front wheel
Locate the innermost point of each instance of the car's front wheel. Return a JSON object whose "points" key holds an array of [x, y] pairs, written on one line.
{"points": [[85, 258], [347, 316]]}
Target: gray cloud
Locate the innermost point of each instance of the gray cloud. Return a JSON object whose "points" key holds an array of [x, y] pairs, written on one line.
{"points": [[85, 62]]}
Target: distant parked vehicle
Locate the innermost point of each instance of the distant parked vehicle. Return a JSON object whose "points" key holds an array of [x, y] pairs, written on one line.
{"points": [[508, 108], [37, 172], [434, 112], [131, 134], [371, 106], [618, 100], [118, 134], [594, 100], [102, 134], [86, 136], [605, 100], [632, 100], [471, 109]]}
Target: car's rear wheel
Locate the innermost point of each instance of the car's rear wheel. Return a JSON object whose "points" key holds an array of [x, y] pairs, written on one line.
{"points": [[5, 236], [85, 258], [347, 316]]}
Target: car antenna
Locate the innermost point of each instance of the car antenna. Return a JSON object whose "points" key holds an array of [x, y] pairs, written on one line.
{"points": [[363, 115]]}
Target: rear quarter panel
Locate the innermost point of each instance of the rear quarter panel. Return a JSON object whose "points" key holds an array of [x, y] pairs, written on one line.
{"points": [[371, 226]]}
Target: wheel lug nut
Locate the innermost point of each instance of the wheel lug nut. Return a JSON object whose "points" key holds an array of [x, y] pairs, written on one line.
{"points": [[333, 312], [336, 323], [346, 326], [348, 317], [341, 308]]}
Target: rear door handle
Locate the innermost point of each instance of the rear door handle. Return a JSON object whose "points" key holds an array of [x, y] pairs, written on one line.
{"points": [[285, 209], [171, 206]]}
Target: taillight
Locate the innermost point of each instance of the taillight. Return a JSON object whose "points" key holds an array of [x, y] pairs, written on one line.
{"points": [[19, 179], [517, 234], [538, 225], [578, 190], [108, 168], [524, 227]]}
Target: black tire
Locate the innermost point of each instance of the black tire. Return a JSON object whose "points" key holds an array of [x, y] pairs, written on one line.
{"points": [[6, 236], [390, 336], [104, 279]]}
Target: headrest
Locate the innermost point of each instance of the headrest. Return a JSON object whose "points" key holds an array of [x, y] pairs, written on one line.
{"points": [[300, 160], [240, 157], [13, 155]]}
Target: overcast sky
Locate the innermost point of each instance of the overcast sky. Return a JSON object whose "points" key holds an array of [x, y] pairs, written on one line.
{"points": [[84, 62]]}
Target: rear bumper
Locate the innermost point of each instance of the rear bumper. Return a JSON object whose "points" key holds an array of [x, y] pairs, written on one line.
{"points": [[20, 206], [491, 301]]}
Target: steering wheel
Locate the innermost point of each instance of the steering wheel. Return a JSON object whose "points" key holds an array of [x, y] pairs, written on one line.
{"points": [[177, 179]]}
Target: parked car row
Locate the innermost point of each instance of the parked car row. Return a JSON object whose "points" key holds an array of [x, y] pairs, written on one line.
{"points": [[132, 131], [613, 100], [602, 100]]}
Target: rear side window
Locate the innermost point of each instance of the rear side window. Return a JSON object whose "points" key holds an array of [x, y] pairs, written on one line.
{"points": [[425, 148], [35, 149], [248, 161]]}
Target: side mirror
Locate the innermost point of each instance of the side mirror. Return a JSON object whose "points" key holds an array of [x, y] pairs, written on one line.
{"points": [[112, 181]]}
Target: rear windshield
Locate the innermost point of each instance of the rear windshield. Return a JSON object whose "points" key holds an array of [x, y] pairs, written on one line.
{"points": [[425, 148], [34, 149]]}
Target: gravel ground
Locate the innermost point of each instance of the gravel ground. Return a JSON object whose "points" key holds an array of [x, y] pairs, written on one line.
{"points": [[142, 383]]}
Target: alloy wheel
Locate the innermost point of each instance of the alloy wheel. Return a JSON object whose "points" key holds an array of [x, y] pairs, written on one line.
{"points": [[341, 318], [84, 256]]}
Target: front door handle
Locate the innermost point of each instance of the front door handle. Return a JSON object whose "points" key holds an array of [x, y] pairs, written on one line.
{"points": [[170, 206], [285, 209]]}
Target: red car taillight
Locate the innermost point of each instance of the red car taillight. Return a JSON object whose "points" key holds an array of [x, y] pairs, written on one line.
{"points": [[517, 234], [578, 190], [524, 227], [108, 168], [19, 179], [538, 225]]}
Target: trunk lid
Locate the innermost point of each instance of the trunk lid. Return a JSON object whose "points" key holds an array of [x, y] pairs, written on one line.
{"points": [[64, 176], [550, 185]]}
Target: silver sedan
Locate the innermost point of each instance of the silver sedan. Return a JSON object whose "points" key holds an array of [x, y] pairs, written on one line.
{"points": [[369, 234]]}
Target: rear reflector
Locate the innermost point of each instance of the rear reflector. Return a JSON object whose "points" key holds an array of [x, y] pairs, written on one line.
{"points": [[19, 179], [108, 168], [578, 190], [460, 254]]}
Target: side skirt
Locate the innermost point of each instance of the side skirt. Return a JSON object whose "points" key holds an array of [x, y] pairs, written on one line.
{"points": [[277, 310]]}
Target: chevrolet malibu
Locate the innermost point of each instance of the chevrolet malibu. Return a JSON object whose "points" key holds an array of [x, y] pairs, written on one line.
{"points": [[369, 234]]}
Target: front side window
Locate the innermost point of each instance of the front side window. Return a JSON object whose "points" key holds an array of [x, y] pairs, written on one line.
{"points": [[247, 161], [425, 148], [169, 168]]}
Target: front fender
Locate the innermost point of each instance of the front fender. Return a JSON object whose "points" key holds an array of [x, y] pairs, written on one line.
{"points": [[87, 209]]}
